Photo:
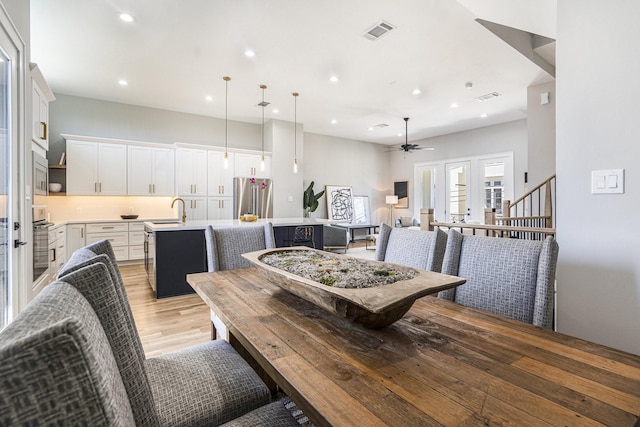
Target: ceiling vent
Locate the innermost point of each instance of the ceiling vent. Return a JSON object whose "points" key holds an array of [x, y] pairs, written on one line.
{"points": [[263, 104], [381, 125], [378, 30], [488, 96]]}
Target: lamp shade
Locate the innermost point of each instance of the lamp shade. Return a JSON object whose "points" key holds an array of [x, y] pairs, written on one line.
{"points": [[391, 200]]}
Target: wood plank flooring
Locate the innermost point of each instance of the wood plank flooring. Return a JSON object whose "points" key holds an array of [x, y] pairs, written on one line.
{"points": [[166, 324]]}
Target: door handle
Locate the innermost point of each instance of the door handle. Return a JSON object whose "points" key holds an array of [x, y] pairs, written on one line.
{"points": [[17, 243], [44, 130]]}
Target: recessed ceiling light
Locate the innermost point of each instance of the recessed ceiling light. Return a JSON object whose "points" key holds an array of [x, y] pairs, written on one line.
{"points": [[399, 133], [468, 85], [416, 92], [484, 115], [333, 79], [123, 82], [276, 111], [249, 53], [455, 105], [126, 17], [209, 98], [334, 121]]}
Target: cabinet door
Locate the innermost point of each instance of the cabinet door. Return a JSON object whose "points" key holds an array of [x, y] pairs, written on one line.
{"points": [[220, 208], [112, 169], [191, 174], [220, 182], [140, 169], [82, 168], [196, 208], [75, 237], [39, 117], [163, 171]]}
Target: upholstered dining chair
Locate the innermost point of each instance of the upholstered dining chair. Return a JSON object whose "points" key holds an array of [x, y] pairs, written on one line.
{"points": [[303, 236], [225, 245], [413, 248], [509, 277], [207, 384]]}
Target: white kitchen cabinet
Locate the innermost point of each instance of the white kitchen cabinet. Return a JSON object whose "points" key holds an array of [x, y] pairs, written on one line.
{"points": [[151, 171], [248, 165], [117, 233], [196, 208], [96, 169], [220, 208], [191, 172], [57, 251], [220, 179], [41, 96], [75, 237]]}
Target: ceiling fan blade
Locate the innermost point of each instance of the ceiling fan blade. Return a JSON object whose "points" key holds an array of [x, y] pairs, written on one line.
{"points": [[424, 148]]}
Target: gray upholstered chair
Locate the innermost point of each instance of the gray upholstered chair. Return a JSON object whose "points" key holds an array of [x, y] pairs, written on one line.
{"points": [[207, 384], [335, 238], [413, 248], [225, 245], [510, 277], [57, 367]]}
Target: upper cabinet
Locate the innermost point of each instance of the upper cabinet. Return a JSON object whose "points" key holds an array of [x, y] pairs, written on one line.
{"points": [[248, 165], [96, 169], [41, 96], [151, 171], [220, 182], [191, 173]]}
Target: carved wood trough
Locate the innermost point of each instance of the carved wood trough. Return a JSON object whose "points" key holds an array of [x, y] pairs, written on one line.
{"points": [[372, 307]]}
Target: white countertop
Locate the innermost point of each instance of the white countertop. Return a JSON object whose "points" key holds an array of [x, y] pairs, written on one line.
{"points": [[201, 225], [59, 222]]}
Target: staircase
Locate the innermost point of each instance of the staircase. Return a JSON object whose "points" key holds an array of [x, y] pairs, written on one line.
{"points": [[530, 217]]}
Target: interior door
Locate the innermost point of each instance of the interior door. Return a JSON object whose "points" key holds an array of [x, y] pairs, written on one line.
{"points": [[15, 290], [458, 192]]}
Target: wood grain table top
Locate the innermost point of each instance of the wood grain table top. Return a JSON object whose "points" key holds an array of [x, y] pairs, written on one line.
{"points": [[441, 364]]}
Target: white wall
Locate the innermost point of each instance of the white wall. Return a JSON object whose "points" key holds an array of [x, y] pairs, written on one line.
{"points": [[598, 128], [335, 161], [287, 196], [541, 126], [506, 137]]}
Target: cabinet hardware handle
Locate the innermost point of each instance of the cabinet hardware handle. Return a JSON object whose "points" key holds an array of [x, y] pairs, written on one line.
{"points": [[107, 228], [101, 187], [44, 130], [149, 188], [95, 187], [82, 233], [154, 188], [53, 255]]}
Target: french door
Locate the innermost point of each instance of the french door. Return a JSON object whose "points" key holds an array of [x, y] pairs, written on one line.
{"points": [[14, 292], [458, 192]]}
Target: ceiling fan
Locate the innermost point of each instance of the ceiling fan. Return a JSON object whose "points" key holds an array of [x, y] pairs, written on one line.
{"points": [[406, 147]]}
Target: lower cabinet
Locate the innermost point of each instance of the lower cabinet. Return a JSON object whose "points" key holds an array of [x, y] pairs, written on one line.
{"points": [[126, 238], [177, 253], [57, 249]]}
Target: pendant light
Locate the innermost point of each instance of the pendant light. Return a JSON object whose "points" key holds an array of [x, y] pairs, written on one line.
{"points": [[295, 132], [263, 104], [226, 116]]}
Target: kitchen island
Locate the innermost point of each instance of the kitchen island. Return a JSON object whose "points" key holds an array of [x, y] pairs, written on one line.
{"points": [[174, 249]]}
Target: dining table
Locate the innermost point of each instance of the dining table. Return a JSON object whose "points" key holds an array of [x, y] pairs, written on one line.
{"points": [[441, 364]]}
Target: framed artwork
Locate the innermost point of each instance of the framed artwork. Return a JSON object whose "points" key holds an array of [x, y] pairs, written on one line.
{"points": [[339, 202], [401, 189], [361, 210]]}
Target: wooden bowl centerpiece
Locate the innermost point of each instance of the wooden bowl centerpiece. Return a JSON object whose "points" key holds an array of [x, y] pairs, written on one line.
{"points": [[372, 293]]}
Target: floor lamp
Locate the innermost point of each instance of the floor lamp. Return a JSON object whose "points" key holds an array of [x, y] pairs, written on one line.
{"points": [[391, 201]]}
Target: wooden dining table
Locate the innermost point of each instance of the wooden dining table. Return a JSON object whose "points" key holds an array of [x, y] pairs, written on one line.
{"points": [[441, 364]]}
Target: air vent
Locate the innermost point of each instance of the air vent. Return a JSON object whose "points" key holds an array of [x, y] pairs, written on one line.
{"points": [[378, 30], [263, 104], [381, 125], [488, 96]]}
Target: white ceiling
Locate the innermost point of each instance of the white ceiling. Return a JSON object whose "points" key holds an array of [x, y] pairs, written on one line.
{"points": [[177, 52]]}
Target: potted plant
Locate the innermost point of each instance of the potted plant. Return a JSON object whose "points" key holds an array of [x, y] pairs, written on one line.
{"points": [[310, 200]]}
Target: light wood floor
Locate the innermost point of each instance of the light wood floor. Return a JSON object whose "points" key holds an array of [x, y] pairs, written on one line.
{"points": [[169, 324], [166, 324]]}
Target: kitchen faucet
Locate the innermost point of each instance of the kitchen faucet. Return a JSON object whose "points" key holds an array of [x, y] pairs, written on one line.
{"points": [[184, 208]]}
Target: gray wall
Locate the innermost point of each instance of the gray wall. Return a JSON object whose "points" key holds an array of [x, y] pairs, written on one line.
{"points": [[511, 136], [287, 196], [598, 128], [91, 117], [541, 125], [334, 161]]}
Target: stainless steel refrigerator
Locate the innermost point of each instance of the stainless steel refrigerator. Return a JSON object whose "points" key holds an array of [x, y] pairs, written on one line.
{"points": [[252, 196]]}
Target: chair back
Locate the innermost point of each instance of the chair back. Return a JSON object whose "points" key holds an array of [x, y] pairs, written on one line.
{"points": [[57, 367], [413, 248], [91, 275], [225, 245], [510, 277]]}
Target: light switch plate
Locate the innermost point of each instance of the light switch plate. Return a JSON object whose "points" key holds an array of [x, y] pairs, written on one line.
{"points": [[610, 181]]}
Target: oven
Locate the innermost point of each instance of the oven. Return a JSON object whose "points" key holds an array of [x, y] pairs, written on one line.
{"points": [[40, 175], [40, 242]]}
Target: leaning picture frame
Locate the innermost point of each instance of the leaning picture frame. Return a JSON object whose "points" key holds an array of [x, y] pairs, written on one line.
{"points": [[339, 202], [361, 215]]}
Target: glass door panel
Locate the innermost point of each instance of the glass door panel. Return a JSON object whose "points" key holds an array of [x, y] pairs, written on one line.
{"points": [[458, 208]]}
